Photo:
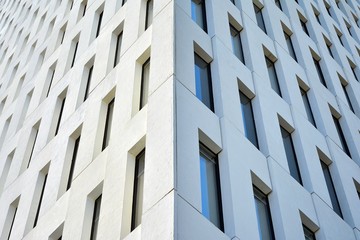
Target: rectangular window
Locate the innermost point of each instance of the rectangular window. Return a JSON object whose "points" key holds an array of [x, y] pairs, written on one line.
{"points": [[198, 13], [347, 97], [319, 72], [273, 76], [263, 215], [248, 118], [291, 155], [149, 13], [51, 75], [203, 83], [74, 54], [307, 106], [236, 43], [259, 18], [331, 189], [32, 141], [73, 161], [278, 4], [88, 82], [353, 71], [10, 219], [60, 115], [40, 199], [95, 219], [118, 49], [341, 136], [144, 88], [108, 122], [99, 20], [211, 206], [290, 46], [138, 191], [328, 46], [308, 234]]}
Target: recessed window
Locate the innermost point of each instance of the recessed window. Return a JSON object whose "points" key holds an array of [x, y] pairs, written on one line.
{"points": [[76, 44], [138, 192], [73, 162], [99, 21], [291, 155], [10, 219], [149, 13], [344, 87], [108, 123], [307, 106], [198, 13], [118, 49], [95, 219], [32, 141], [263, 215], [43, 179], [278, 4], [60, 113], [248, 119], [319, 72], [203, 83], [236, 43], [259, 18], [331, 189], [274, 82], [88, 82], [144, 88], [290, 46], [210, 187], [341, 136]]}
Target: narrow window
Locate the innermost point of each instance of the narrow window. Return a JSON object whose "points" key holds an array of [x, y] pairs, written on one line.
{"points": [[123, 2], [236, 43], [211, 206], [88, 82], [278, 4], [108, 122], [328, 46], [5, 130], [10, 219], [347, 97], [144, 88], [5, 170], [198, 13], [290, 46], [341, 136], [273, 76], [74, 54], [32, 141], [50, 79], [319, 72], [248, 118], [353, 67], [291, 155], [138, 191], [149, 13], [307, 106], [118, 49], [263, 215], [259, 18], [73, 161], [203, 83], [357, 188], [95, 219], [60, 115], [331, 189], [308, 234], [40, 200], [99, 20]]}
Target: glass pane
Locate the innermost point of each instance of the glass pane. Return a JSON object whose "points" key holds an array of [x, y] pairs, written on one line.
{"points": [[307, 107], [149, 13], [108, 123], [290, 46], [248, 118], [198, 13], [273, 77], [263, 216], [95, 221], [290, 155], [236, 43], [138, 190], [309, 235], [145, 84], [259, 18], [210, 195], [203, 82], [118, 49], [341, 136]]}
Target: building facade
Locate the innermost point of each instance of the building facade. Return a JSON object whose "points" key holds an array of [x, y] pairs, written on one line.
{"points": [[179, 119]]}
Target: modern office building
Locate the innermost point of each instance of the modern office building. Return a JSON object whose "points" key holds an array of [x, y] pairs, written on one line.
{"points": [[179, 119]]}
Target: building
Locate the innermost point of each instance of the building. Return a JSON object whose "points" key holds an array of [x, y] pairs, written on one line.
{"points": [[179, 119]]}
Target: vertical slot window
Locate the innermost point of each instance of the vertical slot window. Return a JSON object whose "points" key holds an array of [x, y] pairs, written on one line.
{"points": [[99, 20], [341, 136], [263, 215], [236, 43], [138, 192], [60, 113], [76, 44], [73, 162], [44, 178], [198, 13], [203, 84], [149, 13], [248, 119], [319, 72], [32, 142], [95, 219], [118, 49], [259, 18], [331, 189], [304, 27], [307, 106], [210, 187], [108, 123], [274, 82], [290, 46], [308, 234], [10, 219], [88, 82], [291, 155], [144, 88], [347, 96]]}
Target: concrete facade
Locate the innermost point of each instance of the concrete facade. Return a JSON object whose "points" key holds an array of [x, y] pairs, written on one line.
{"points": [[37, 45]]}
